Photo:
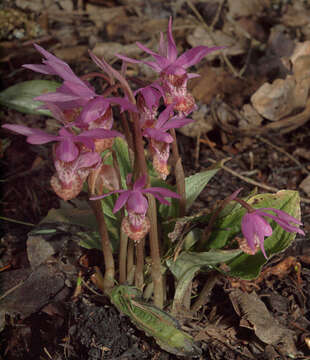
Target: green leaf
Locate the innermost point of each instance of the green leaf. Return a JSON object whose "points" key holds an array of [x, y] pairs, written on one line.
{"points": [[90, 240], [248, 266], [193, 187], [189, 263], [154, 322], [20, 96], [121, 148], [81, 214], [107, 204], [227, 225], [196, 183]]}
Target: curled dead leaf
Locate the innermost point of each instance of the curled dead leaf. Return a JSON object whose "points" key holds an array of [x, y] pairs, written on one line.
{"points": [[276, 100], [255, 315]]}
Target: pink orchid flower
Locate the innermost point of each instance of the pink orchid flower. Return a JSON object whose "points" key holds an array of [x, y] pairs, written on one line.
{"points": [[160, 138], [73, 93], [136, 225], [255, 227], [96, 109], [147, 103], [173, 69], [167, 60], [66, 150], [68, 180], [165, 122]]}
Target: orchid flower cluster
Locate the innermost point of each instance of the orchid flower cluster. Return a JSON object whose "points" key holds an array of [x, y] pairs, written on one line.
{"points": [[86, 131]]}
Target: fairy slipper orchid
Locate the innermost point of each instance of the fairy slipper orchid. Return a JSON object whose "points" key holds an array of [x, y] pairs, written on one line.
{"points": [[136, 225]]}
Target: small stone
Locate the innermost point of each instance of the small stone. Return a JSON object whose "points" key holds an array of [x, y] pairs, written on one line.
{"points": [[305, 185]]}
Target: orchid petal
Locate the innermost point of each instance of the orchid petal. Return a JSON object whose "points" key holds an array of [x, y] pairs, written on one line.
{"points": [[100, 134], [162, 192], [160, 198], [47, 54], [140, 183], [106, 194], [63, 70], [122, 199], [164, 116], [158, 135], [56, 112], [34, 136], [86, 141], [124, 103], [128, 59], [42, 69], [41, 138], [248, 231], [283, 215], [194, 55], [23, 130], [79, 88], [284, 224], [176, 122], [147, 50], [137, 203], [172, 51], [56, 97], [162, 49], [93, 110], [88, 159], [66, 150]]}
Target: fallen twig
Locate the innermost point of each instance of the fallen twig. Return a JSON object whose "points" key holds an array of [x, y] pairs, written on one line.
{"points": [[253, 182]]}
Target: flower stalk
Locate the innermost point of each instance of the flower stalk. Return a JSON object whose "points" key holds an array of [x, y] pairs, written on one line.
{"points": [[179, 174], [108, 280]]}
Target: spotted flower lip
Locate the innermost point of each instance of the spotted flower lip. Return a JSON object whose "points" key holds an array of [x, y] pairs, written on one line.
{"points": [[255, 227], [135, 200], [167, 60]]}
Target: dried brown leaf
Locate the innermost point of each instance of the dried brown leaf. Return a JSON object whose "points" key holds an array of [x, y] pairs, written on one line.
{"points": [[255, 315]]}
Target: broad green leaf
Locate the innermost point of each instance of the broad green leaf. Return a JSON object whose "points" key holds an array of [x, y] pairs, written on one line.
{"points": [[196, 183], [107, 204], [20, 96], [92, 240], [227, 225], [154, 322], [189, 263], [248, 266], [226, 228], [81, 214]]}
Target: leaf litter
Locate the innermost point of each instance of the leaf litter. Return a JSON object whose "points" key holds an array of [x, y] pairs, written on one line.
{"points": [[260, 87]]}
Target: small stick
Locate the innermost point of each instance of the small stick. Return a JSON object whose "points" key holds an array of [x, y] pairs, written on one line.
{"points": [[203, 23], [206, 290], [253, 182], [279, 149]]}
